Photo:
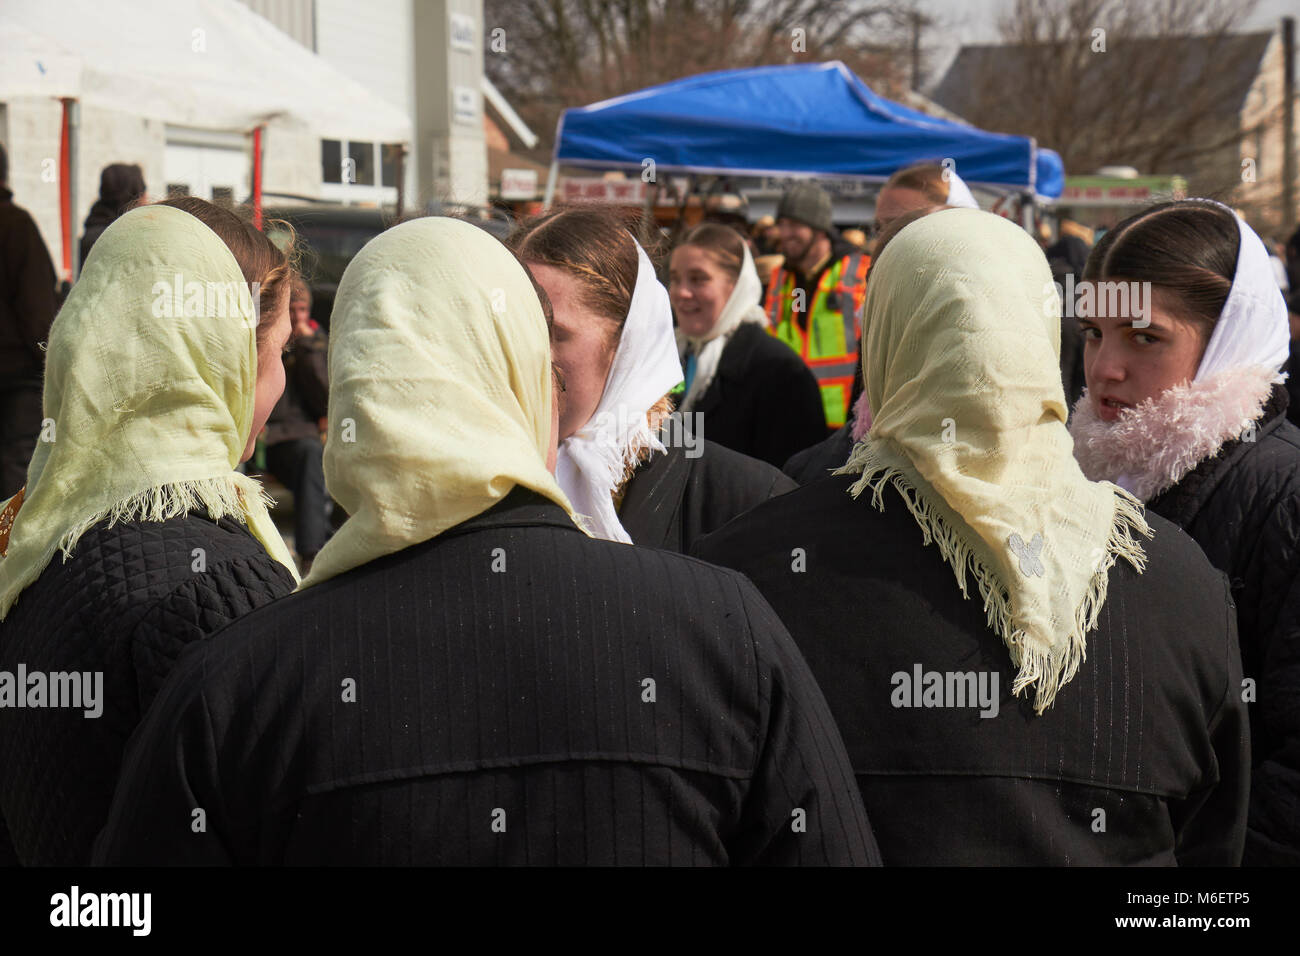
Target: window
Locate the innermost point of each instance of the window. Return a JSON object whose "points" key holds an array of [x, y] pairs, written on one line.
{"points": [[392, 154], [223, 196], [177, 189], [362, 156], [359, 171], [331, 157]]}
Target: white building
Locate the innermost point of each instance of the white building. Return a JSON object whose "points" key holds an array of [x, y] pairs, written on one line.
{"points": [[340, 90]]}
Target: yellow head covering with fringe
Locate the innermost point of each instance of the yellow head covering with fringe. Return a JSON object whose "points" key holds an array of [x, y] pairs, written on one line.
{"points": [[440, 389], [149, 388], [961, 359]]}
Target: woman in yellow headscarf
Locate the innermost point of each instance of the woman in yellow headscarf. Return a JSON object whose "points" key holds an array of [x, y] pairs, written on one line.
{"points": [[134, 535], [1076, 708]]}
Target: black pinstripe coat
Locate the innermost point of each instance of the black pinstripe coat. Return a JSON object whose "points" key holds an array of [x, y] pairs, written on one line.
{"points": [[1144, 758], [510, 692]]}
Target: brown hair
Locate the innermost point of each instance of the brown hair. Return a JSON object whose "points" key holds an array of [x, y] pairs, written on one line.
{"points": [[898, 225], [1186, 249], [299, 290], [592, 245], [266, 268], [925, 178], [724, 243]]}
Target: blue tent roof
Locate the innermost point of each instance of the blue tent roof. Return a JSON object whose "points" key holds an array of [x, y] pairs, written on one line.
{"points": [[801, 120]]}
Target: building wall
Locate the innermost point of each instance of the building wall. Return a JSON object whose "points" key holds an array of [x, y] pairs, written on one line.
{"points": [[452, 150], [297, 18], [1263, 142], [371, 43]]}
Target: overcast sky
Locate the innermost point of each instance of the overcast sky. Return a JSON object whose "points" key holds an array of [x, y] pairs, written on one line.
{"points": [[975, 21]]}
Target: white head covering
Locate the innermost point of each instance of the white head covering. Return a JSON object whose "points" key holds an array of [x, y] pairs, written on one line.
{"points": [[959, 193], [742, 306], [1253, 328], [645, 368]]}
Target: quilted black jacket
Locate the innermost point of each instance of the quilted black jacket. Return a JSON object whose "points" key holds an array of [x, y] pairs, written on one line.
{"points": [[1243, 508], [127, 603]]}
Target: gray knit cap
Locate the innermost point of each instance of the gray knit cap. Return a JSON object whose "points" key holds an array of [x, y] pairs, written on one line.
{"points": [[807, 203]]}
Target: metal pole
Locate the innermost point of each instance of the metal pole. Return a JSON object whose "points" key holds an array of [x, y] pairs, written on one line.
{"points": [[1288, 125], [551, 179], [257, 177], [74, 164]]}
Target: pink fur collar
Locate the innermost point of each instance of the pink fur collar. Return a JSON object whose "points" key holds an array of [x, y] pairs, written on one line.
{"points": [[1150, 448], [861, 417]]}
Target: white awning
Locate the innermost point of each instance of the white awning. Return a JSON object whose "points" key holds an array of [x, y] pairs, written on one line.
{"points": [[210, 64]]}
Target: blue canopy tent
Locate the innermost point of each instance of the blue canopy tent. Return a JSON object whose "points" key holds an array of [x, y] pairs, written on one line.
{"points": [[818, 119]]}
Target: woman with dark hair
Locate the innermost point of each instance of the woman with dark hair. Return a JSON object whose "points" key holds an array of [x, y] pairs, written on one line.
{"points": [[752, 393], [615, 350], [1186, 332], [134, 536], [121, 186]]}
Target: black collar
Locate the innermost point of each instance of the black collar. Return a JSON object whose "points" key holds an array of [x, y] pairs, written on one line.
{"points": [[521, 507], [653, 498]]}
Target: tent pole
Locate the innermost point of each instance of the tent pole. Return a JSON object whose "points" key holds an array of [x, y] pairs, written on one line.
{"points": [[1027, 212], [551, 178], [257, 177], [65, 186], [74, 171]]}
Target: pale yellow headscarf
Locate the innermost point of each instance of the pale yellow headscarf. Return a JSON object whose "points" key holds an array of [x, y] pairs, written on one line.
{"points": [[961, 359], [440, 389], [148, 395]]}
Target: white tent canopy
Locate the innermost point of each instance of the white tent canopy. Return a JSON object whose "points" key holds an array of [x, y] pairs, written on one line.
{"points": [[211, 64]]}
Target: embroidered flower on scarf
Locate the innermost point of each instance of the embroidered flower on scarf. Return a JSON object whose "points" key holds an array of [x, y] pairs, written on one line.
{"points": [[1030, 564]]}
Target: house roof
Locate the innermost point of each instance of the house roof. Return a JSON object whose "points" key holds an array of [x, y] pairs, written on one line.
{"points": [[1232, 61]]}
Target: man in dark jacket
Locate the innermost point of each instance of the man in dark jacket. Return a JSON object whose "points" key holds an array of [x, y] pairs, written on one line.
{"points": [[26, 312], [121, 186], [293, 443], [501, 689]]}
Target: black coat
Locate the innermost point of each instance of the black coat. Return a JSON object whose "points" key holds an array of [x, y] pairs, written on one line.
{"points": [[763, 401], [27, 300], [1151, 731], [822, 458], [127, 603], [496, 717], [673, 499], [305, 399], [1243, 507]]}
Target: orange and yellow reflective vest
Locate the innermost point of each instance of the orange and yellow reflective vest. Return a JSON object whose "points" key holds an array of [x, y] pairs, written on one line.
{"points": [[829, 344]]}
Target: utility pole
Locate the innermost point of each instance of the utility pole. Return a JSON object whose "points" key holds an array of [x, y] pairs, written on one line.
{"points": [[1288, 126]]}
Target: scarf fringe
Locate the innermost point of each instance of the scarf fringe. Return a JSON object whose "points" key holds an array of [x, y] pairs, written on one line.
{"points": [[1045, 668], [226, 496]]}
